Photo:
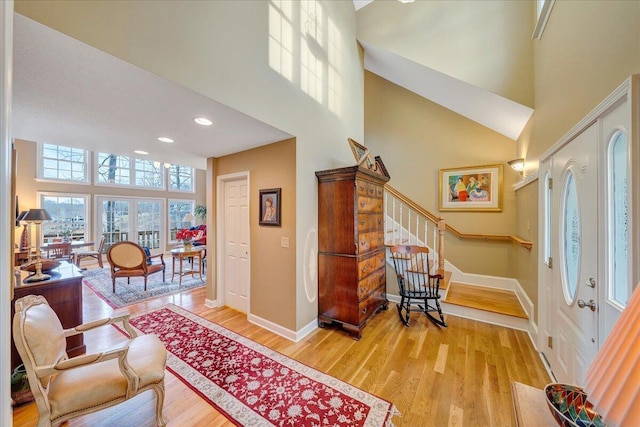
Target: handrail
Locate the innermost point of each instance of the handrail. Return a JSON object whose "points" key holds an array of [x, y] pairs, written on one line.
{"points": [[435, 219]]}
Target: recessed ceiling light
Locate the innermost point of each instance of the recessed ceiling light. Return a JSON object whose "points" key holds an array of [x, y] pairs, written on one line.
{"points": [[165, 139], [203, 121], [141, 152]]}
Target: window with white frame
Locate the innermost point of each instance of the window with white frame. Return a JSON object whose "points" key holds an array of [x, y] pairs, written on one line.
{"points": [[148, 174], [69, 213], [113, 169], [618, 220], [61, 163], [547, 218], [178, 209], [181, 178]]}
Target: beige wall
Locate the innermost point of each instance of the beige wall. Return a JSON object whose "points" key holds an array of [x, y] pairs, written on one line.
{"points": [[416, 138], [485, 43], [587, 50], [27, 187], [221, 50], [273, 268], [524, 262]]}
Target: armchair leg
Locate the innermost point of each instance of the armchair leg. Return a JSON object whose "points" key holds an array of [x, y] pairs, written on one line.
{"points": [[159, 392], [113, 281], [145, 283]]}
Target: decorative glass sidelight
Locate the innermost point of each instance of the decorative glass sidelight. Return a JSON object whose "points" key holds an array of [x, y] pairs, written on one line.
{"points": [[618, 220], [571, 237]]}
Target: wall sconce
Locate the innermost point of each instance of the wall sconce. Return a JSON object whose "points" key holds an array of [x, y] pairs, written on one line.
{"points": [[517, 165]]}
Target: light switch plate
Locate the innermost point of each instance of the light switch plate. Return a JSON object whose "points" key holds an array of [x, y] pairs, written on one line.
{"points": [[284, 242]]}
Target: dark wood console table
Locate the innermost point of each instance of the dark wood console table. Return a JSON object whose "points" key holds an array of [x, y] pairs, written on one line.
{"points": [[64, 294]]}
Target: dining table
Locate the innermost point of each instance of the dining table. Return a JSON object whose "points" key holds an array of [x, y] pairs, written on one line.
{"points": [[75, 244]]}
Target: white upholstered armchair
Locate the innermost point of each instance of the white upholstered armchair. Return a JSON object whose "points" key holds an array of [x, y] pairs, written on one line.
{"points": [[65, 388]]}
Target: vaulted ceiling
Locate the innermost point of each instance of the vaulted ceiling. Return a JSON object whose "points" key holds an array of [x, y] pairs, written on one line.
{"points": [[474, 58]]}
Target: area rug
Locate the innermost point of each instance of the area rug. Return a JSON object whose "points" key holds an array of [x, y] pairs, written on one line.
{"points": [[252, 384], [99, 280]]}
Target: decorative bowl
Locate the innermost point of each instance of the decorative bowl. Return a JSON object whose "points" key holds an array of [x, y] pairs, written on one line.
{"points": [[569, 406], [47, 265]]}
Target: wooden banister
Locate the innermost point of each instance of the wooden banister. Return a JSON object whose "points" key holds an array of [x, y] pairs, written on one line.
{"points": [[435, 219]]}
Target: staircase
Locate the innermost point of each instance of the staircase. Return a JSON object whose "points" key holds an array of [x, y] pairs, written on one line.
{"points": [[488, 299]]}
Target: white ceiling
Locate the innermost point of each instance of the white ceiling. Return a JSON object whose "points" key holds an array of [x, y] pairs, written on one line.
{"points": [[69, 93], [493, 111]]}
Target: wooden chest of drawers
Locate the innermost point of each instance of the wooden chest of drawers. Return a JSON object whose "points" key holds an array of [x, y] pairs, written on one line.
{"points": [[351, 252]]}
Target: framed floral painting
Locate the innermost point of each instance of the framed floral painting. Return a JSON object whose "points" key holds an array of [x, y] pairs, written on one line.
{"points": [[474, 189]]}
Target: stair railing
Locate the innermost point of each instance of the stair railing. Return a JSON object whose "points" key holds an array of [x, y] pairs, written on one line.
{"points": [[394, 198], [408, 223]]}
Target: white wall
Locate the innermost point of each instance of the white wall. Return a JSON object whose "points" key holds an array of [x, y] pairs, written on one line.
{"points": [[221, 50]]}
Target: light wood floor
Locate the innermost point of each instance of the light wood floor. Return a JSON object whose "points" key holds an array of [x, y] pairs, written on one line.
{"points": [[455, 376], [488, 299]]}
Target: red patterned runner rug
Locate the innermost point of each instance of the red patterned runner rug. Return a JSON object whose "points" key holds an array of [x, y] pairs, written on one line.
{"points": [[254, 385]]}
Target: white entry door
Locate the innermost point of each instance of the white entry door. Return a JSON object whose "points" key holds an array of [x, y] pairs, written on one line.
{"points": [[235, 272], [574, 237]]}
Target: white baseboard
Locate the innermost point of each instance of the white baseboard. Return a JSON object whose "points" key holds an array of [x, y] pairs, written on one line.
{"points": [[212, 303], [289, 334]]}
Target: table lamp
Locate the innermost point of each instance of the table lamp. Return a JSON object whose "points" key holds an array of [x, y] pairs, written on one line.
{"points": [[190, 218], [36, 216]]}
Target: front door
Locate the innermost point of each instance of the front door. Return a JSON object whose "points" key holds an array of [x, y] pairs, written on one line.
{"points": [[574, 274], [236, 244]]}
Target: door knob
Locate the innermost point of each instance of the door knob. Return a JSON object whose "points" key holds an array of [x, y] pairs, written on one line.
{"points": [[591, 304], [591, 282]]}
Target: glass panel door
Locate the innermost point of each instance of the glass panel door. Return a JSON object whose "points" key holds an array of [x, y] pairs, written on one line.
{"points": [[114, 220], [132, 219], [148, 224]]}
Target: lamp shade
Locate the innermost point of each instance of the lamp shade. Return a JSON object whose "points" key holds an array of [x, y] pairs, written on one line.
{"points": [[612, 381], [35, 215]]}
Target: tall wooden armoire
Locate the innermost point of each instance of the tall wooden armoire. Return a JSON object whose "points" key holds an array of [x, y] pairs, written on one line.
{"points": [[351, 251]]}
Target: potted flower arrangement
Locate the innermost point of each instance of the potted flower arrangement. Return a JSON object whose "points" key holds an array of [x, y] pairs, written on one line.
{"points": [[186, 236]]}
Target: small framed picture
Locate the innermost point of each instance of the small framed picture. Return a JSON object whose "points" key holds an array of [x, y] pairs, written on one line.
{"points": [[270, 207], [359, 151]]}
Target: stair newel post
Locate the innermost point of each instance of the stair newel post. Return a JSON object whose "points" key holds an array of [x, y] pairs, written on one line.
{"points": [[441, 229]]}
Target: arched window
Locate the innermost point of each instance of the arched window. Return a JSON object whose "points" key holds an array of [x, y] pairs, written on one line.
{"points": [[618, 238]]}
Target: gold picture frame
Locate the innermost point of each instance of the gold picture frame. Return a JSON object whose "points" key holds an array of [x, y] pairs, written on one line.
{"points": [[471, 189]]}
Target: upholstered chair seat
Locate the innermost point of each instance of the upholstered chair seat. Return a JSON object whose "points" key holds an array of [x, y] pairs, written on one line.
{"points": [[65, 388], [128, 259]]}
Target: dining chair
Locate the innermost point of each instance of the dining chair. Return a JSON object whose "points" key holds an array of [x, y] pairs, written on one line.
{"points": [[96, 254], [60, 251]]}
